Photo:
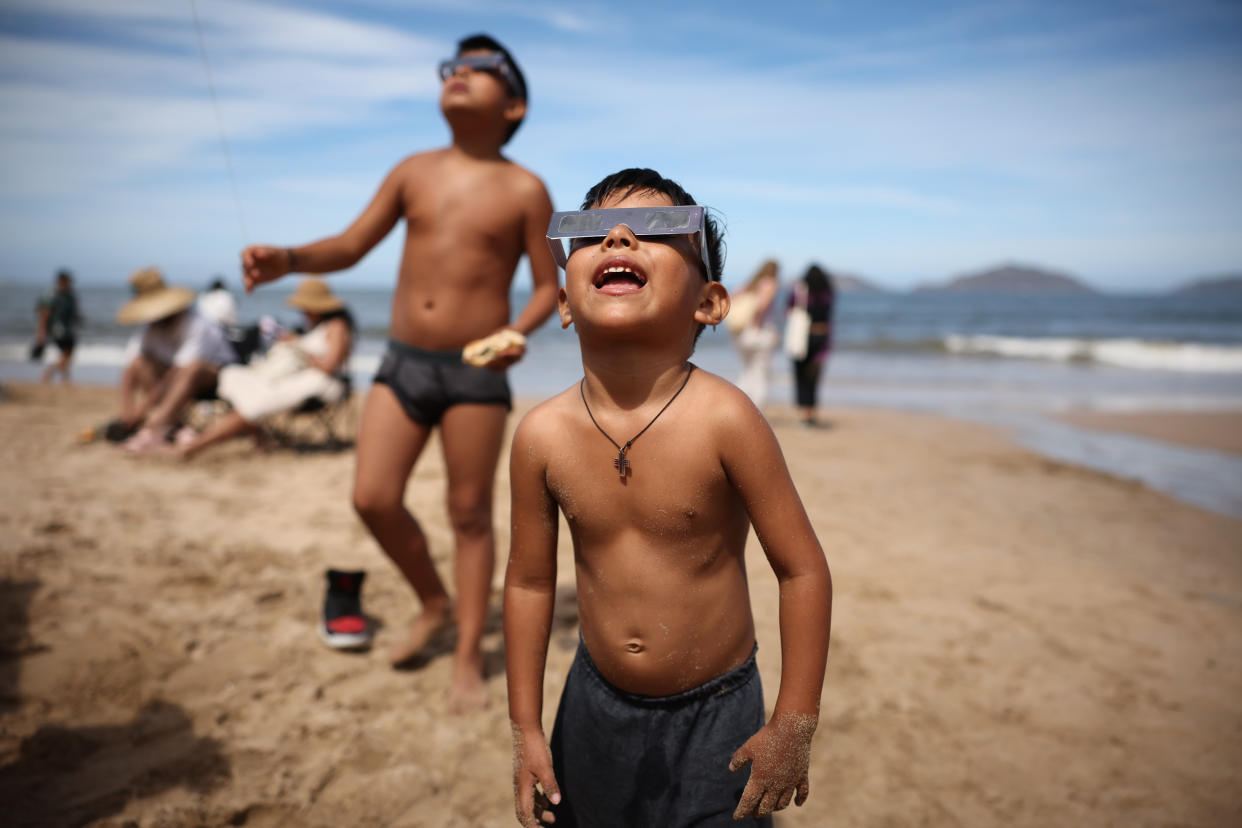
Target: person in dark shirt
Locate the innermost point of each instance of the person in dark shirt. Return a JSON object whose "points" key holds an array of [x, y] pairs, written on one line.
{"points": [[815, 293], [58, 320]]}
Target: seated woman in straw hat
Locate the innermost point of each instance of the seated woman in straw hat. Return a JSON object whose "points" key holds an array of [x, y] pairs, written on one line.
{"points": [[293, 370], [174, 356]]}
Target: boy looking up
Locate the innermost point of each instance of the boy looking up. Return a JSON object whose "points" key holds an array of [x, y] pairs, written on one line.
{"points": [[660, 470], [470, 214]]}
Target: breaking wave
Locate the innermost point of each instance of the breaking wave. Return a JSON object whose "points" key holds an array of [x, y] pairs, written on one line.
{"points": [[1125, 353]]}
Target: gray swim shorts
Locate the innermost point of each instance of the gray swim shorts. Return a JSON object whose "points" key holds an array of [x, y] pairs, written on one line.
{"points": [[428, 383], [625, 760]]}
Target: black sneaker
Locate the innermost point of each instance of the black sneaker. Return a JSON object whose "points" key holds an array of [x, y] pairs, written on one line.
{"points": [[343, 626]]}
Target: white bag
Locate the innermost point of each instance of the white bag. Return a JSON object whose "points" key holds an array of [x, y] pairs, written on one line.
{"points": [[797, 326], [797, 332]]}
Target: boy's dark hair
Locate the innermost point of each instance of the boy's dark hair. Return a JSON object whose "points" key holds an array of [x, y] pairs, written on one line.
{"points": [[643, 180], [518, 89]]}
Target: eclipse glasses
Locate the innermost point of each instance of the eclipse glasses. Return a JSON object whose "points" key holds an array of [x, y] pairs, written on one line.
{"points": [[491, 62], [584, 227]]}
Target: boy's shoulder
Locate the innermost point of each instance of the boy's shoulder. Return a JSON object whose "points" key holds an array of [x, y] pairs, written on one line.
{"points": [[720, 406], [420, 160], [725, 397], [548, 418], [521, 179]]}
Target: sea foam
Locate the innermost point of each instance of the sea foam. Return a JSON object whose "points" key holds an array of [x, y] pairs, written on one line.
{"points": [[1125, 353]]}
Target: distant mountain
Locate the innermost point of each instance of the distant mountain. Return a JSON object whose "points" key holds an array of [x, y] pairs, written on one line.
{"points": [[1012, 279], [846, 283], [1214, 284]]}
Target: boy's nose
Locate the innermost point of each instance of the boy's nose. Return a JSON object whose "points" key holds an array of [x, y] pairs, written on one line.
{"points": [[620, 236]]}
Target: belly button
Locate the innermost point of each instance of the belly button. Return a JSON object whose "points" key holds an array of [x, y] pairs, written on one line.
{"points": [[429, 304], [635, 646]]}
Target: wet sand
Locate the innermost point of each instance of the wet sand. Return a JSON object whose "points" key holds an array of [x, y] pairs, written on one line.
{"points": [[1016, 641], [1217, 430]]}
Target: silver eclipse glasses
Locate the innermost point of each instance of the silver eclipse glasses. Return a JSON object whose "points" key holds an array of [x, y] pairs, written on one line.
{"points": [[491, 62], [584, 227]]}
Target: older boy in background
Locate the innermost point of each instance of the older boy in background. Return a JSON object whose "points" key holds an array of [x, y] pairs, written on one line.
{"points": [[470, 214]]}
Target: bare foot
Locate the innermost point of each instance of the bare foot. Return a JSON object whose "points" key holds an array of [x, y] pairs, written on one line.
{"points": [[469, 692], [432, 622]]}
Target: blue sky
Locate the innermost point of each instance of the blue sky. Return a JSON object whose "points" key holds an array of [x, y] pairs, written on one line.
{"points": [[904, 142]]}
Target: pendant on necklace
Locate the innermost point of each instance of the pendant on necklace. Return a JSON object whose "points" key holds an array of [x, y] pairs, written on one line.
{"points": [[622, 463]]}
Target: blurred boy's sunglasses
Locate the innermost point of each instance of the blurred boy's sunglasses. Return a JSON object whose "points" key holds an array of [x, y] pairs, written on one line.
{"points": [[586, 227], [491, 62]]}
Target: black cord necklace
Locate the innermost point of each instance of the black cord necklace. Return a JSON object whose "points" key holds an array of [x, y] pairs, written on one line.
{"points": [[622, 463]]}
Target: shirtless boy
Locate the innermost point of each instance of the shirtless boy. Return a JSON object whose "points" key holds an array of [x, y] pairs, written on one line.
{"points": [[470, 214], [660, 470]]}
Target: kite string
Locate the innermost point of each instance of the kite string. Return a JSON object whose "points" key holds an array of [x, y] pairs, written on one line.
{"points": [[224, 142]]}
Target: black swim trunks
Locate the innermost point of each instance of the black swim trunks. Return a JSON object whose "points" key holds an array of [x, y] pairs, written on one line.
{"points": [[625, 760], [428, 383]]}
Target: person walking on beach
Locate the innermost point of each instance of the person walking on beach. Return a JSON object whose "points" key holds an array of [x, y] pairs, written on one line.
{"points": [[808, 337], [58, 318], [470, 214], [753, 333], [660, 470]]}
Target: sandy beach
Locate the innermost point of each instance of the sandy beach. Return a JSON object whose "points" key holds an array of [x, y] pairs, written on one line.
{"points": [[1217, 430], [1016, 641]]}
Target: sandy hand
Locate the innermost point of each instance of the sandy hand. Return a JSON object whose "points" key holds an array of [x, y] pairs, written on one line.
{"points": [[780, 756], [534, 785], [261, 263], [499, 350]]}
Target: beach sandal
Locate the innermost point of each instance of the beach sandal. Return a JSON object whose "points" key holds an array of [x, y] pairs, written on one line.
{"points": [[144, 441], [343, 626]]}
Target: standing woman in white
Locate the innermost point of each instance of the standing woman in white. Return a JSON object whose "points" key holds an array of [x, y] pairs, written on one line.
{"points": [[756, 338]]}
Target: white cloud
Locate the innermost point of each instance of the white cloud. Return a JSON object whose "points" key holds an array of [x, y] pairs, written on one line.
{"points": [[1121, 146]]}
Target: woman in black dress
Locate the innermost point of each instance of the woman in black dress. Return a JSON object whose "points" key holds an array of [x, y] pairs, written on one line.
{"points": [[815, 293]]}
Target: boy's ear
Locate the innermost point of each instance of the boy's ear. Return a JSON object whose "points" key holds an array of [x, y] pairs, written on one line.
{"points": [[562, 307], [515, 110], [713, 304]]}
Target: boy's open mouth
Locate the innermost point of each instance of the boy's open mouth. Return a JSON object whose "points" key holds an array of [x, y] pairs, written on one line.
{"points": [[616, 279]]}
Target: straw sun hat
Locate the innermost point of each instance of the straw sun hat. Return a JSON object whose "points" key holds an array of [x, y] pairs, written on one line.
{"points": [[314, 296], [153, 300]]}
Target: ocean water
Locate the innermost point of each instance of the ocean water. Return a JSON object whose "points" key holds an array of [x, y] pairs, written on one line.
{"points": [[1003, 360]]}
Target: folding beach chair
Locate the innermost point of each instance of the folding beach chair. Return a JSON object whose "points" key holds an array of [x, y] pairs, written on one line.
{"points": [[317, 423]]}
